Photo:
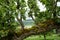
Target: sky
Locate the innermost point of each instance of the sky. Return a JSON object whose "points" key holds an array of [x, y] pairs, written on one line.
{"points": [[58, 3]]}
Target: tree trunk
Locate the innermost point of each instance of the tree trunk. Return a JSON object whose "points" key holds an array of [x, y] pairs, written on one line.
{"points": [[54, 9], [35, 21], [44, 36], [37, 31], [22, 25], [20, 20], [57, 31]]}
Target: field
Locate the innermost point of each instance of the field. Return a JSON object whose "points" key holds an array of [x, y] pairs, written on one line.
{"points": [[40, 37]]}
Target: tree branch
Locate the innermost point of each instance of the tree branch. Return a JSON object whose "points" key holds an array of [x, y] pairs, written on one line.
{"points": [[36, 31]]}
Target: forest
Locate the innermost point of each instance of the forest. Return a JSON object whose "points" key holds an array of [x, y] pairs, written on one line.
{"points": [[29, 19]]}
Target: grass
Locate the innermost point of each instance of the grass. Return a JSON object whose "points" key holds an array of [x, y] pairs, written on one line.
{"points": [[40, 37]]}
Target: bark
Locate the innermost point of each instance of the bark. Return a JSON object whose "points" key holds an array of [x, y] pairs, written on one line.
{"points": [[44, 36], [33, 18], [55, 12], [21, 23], [34, 32], [54, 9], [57, 28], [36, 24], [56, 31], [18, 5], [25, 35]]}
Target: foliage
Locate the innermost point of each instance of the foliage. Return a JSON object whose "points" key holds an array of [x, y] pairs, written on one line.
{"points": [[16, 9]]}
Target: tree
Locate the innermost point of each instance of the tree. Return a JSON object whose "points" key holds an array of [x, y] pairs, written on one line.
{"points": [[21, 10], [51, 7], [7, 19], [44, 21]]}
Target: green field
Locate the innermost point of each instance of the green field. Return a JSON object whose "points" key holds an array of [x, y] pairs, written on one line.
{"points": [[40, 37]]}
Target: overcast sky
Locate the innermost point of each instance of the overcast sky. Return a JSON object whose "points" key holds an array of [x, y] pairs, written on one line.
{"points": [[58, 4]]}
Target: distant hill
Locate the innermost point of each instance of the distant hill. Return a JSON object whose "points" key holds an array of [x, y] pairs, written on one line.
{"points": [[28, 22]]}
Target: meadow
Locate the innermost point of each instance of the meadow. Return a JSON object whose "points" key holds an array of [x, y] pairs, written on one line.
{"points": [[40, 37]]}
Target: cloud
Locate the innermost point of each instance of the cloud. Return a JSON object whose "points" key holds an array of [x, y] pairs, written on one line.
{"points": [[41, 6], [58, 4]]}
